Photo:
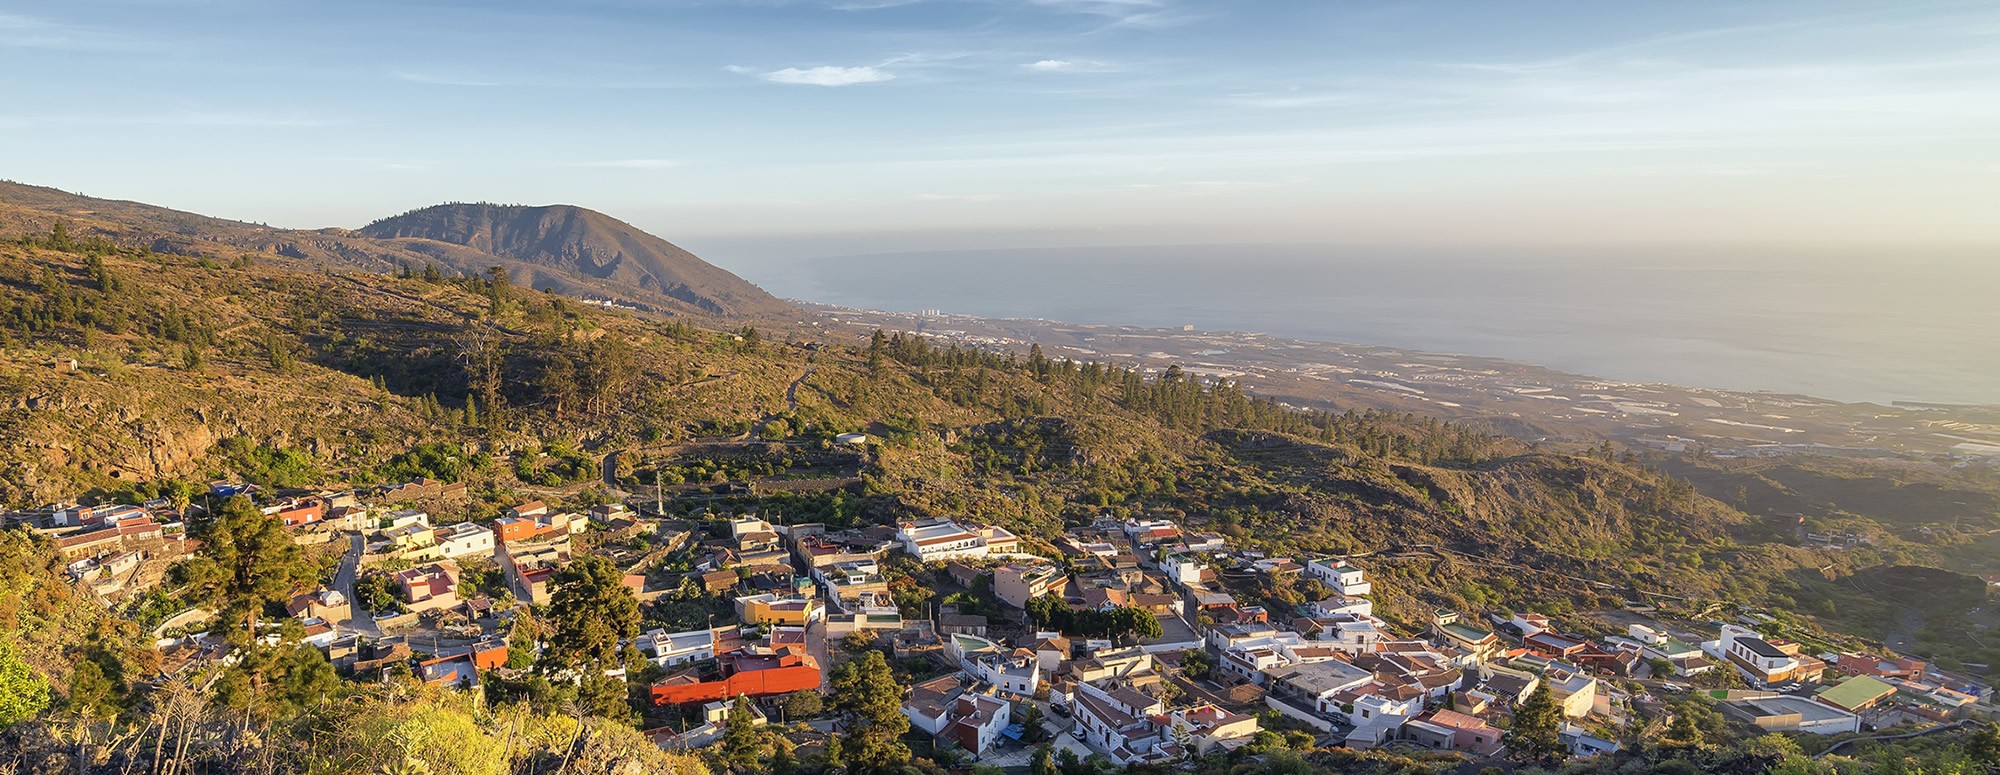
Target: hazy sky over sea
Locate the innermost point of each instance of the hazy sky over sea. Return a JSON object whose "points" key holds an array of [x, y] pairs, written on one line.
{"points": [[972, 123]]}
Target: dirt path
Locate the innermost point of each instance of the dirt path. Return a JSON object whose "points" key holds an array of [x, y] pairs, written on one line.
{"points": [[791, 403], [1919, 733]]}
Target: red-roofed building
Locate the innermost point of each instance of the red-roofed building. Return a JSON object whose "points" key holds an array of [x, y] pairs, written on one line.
{"points": [[1859, 663], [1553, 646], [296, 513], [751, 675], [529, 510], [87, 544], [432, 586]]}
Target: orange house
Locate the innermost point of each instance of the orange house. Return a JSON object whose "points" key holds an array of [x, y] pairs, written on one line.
{"points": [[755, 676], [515, 529], [488, 656], [302, 514]]}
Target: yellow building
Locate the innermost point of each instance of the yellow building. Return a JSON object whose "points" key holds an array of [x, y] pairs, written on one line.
{"points": [[778, 611]]}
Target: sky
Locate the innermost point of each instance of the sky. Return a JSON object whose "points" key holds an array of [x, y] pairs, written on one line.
{"points": [[855, 125]]}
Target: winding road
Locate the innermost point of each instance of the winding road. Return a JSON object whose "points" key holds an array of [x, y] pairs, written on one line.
{"points": [[343, 581], [608, 466], [791, 403]]}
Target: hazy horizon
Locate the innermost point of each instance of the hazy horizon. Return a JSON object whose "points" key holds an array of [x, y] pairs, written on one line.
{"points": [[1138, 121], [1828, 324]]}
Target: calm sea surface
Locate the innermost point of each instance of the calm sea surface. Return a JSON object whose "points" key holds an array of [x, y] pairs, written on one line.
{"points": [[1848, 327]]}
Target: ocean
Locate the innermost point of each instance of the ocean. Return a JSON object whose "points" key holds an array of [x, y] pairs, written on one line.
{"points": [[1847, 326]]}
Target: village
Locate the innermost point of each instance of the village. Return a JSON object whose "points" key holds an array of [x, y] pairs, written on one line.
{"points": [[1133, 640]]}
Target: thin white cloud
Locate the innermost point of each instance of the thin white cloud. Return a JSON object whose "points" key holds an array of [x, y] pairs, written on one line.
{"points": [[1069, 66], [872, 5], [629, 164], [959, 197], [441, 80], [1122, 13], [176, 118], [827, 75], [18, 31], [1291, 99], [1112, 8]]}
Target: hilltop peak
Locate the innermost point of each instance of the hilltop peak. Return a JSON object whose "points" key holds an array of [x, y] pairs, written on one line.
{"points": [[551, 241]]}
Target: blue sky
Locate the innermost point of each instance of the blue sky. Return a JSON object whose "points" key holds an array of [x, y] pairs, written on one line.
{"points": [[898, 124]]}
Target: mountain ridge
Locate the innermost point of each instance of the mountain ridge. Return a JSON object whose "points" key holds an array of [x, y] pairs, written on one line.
{"points": [[670, 280], [573, 239]]}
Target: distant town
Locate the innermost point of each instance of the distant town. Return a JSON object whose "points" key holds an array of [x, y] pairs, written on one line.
{"points": [[1532, 401]]}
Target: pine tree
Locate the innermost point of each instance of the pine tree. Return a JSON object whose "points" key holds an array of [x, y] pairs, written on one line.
{"points": [[744, 746], [866, 691], [1984, 747], [1537, 731], [878, 345], [247, 561], [591, 613], [1044, 761]]}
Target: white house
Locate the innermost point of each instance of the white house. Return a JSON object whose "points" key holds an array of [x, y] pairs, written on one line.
{"points": [[1337, 573], [1353, 636], [1574, 690], [1251, 659], [1375, 703], [405, 518], [1753, 656], [937, 540], [1117, 723], [1227, 636], [1018, 672], [1531, 624], [976, 722], [1149, 532], [1342, 604], [678, 648], [929, 704], [1183, 569], [1205, 542], [1316, 685], [465, 539]]}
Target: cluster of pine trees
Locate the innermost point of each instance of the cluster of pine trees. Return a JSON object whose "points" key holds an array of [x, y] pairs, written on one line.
{"points": [[1182, 402]]}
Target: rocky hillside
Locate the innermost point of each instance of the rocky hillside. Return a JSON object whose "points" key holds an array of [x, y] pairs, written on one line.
{"points": [[562, 242], [568, 250]]}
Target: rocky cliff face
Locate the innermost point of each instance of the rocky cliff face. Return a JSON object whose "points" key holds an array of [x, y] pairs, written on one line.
{"points": [[559, 240]]}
